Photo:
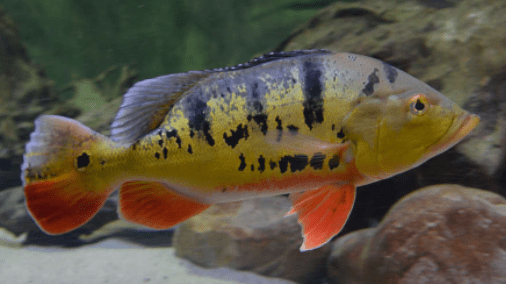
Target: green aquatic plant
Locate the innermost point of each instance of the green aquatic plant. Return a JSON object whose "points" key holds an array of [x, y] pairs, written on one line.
{"points": [[76, 39]]}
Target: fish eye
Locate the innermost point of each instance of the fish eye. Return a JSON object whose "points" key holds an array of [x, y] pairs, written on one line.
{"points": [[418, 104]]}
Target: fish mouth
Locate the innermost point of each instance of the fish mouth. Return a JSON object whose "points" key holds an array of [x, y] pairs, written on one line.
{"points": [[461, 126]]}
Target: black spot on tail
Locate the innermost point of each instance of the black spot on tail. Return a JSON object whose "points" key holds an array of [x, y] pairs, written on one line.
{"points": [[390, 71], [83, 161], [165, 152], [233, 140], [157, 155], [313, 100], [317, 161], [242, 165], [371, 80], [190, 149]]}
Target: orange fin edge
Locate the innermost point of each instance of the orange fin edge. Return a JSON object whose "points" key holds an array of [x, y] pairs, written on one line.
{"points": [[322, 213], [154, 205], [63, 204]]}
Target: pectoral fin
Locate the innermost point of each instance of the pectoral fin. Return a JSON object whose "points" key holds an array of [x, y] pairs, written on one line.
{"points": [[322, 213], [154, 205]]}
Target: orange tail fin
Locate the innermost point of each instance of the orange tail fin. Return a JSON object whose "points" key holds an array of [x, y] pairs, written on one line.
{"points": [[322, 212], [60, 192], [154, 205]]}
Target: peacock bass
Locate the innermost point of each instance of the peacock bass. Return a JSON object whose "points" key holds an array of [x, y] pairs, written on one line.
{"points": [[312, 123]]}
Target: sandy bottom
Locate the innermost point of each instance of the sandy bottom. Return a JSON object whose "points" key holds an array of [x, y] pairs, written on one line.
{"points": [[112, 261]]}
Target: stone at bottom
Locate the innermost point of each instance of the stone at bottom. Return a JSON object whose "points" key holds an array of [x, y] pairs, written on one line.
{"points": [[440, 234], [250, 235]]}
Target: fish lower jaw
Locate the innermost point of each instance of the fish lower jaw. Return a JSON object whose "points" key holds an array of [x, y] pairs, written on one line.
{"points": [[461, 126]]}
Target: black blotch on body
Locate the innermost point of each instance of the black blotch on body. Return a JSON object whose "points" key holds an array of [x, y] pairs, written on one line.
{"points": [[134, 146], [207, 133], [197, 117], [297, 163], [242, 165], [261, 120], [390, 71], [371, 80], [160, 142], [157, 155], [279, 127], [165, 152], [257, 106], [333, 127], [272, 164], [196, 112], [252, 167], [192, 133], [190, 149], [254, 91], [261, 162], [233, 140], [173, 133], [334, 162], [317, 161], [83, 161], [313, 100], [292, 129]]}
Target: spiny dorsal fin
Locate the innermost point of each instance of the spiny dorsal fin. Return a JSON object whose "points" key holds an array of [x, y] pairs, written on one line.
{"points": [[269, 57], [147, 102]]}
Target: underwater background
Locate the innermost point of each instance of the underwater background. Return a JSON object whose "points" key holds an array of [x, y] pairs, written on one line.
{"points": [[77, 58]]}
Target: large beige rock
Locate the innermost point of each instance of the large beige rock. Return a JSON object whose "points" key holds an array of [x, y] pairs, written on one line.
{"points": [[440, 234], [251, 235]]}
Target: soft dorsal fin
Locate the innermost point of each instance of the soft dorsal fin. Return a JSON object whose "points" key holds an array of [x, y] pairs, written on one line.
{"points": [[147, 102]]}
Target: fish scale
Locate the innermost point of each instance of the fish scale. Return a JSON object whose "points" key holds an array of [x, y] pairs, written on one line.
{"points": [[313, 123]]}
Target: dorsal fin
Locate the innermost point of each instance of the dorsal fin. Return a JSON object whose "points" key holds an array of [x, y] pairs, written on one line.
{"points": [[147, 102], [269, 57]]}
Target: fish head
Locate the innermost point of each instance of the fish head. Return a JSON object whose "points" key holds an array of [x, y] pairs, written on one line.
{"points": [[393, 133]]}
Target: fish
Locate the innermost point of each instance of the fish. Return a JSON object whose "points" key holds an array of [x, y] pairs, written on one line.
{"points": [[314, 124]]}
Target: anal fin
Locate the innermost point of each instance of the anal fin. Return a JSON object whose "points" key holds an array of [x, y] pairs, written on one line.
{"points": [[322, 213], [154, 205]]}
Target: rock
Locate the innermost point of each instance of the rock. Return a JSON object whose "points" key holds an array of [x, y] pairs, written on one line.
{"points": [[454, 47], [251, 235], [439, 234]]}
